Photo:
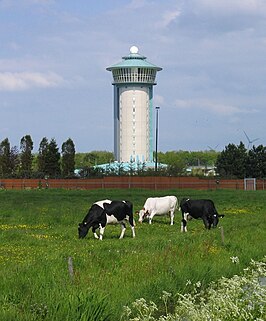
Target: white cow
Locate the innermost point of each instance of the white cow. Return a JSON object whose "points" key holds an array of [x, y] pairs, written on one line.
{"points": [[158, 206]]}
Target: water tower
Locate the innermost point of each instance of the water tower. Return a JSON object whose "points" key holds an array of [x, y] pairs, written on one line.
{"points": [[133, 81]]}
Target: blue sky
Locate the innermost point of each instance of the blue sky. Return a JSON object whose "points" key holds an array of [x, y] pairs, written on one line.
{"points": [[54, 83]]}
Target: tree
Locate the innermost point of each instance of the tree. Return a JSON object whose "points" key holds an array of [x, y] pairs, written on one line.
{"points": [[68, 158], [84, 160], [26, 157], [175, 161], [53, 160], [42, 156], [5, 158], [256, 162], [232, 161], [9, 159], [14, 161], [49, 159]]}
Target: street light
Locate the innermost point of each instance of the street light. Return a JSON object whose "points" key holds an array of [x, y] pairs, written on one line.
{"points": [[156, 138]]}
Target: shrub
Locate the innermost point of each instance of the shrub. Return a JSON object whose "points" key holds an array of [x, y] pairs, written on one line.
{"points": [[238, 298]]}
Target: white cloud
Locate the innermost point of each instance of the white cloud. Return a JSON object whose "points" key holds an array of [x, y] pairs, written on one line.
{"points": [[231, 6], [168, 17], [212, 107], [14, 81]]}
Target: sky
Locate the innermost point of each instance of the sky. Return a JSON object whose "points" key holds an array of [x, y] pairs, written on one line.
{"points": [[54, 83]]}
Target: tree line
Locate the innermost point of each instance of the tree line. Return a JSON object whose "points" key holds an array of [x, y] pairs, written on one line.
{"points": [[235, 161], [48, 162]]}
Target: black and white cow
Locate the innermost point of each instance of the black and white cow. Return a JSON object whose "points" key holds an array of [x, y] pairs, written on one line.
{"points": [[106, 212], [199, 209], [158, 206]]}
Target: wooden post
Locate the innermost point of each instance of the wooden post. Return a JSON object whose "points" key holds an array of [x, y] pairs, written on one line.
{"points": [[70, 268], [222, 234]]}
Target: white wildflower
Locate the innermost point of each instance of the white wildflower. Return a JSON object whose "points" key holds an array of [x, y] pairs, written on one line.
{"points": [[234, 259], [198, 284]]}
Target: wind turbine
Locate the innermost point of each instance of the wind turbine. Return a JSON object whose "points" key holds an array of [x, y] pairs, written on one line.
{"points": [[213, 149], [249, 140]]}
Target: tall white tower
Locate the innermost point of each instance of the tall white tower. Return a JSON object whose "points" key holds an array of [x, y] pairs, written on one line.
{"points": [[133, 81]]}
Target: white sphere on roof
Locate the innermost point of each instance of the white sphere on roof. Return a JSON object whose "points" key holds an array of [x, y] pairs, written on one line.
{"points": [[134, 50]]}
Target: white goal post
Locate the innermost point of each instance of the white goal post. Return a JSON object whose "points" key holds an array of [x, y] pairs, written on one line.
{"points": [[250, 184]]}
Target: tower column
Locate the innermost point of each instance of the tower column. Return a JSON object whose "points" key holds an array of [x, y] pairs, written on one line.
{"points": [[133, 81]]}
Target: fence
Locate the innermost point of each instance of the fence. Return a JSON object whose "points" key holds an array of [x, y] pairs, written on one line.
{"points": [[150, 182]]}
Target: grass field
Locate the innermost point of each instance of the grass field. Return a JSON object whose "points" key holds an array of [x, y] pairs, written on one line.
{"points": [[39, 234]]}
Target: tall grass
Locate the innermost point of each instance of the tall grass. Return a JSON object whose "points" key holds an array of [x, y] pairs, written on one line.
{"points": [[241, 297], [39, 234]]}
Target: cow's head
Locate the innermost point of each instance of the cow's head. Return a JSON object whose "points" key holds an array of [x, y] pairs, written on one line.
{"points": [[83, 229], [184, 205], [143, 214], [215, 219]]}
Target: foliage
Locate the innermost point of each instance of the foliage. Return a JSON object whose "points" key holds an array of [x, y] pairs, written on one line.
{"points": [[26, 157], [256, 162], [43, 155], [14, 161], [176, 163], [189, 158], [5, 165], [49, 158], [68, 158], [237, 161], [90, 172], [53, 160], [9, 159], [241, 297], [86, 160], [232, 161], [84, 306], [70, 304]]}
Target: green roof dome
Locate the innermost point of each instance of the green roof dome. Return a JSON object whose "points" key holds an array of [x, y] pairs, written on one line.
{"points": [[134, 69], [134, 59]]}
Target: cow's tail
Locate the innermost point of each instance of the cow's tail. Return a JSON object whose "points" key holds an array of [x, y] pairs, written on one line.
{"points": [[178, 204]]}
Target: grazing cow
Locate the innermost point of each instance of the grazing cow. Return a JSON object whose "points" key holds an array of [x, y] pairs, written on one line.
{"points": [[158, 206], [199, 209], [107, 212]]}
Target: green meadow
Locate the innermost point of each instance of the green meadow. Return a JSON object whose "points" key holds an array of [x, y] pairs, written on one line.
{"points": [[38, 239]]}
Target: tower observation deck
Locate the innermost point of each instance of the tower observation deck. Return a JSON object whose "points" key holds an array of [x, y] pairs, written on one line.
{"points": [[133, 81]]}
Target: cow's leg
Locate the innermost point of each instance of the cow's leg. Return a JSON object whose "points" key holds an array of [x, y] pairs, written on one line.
{"points": [[101, 231], [206, 222], [172, 218], [184, 222], [94, 231], [132, 225], [150, 217], [123, 229], [133, 231]]}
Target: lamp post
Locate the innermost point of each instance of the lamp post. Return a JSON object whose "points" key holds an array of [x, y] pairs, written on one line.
{"points": [[156, 138]]}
